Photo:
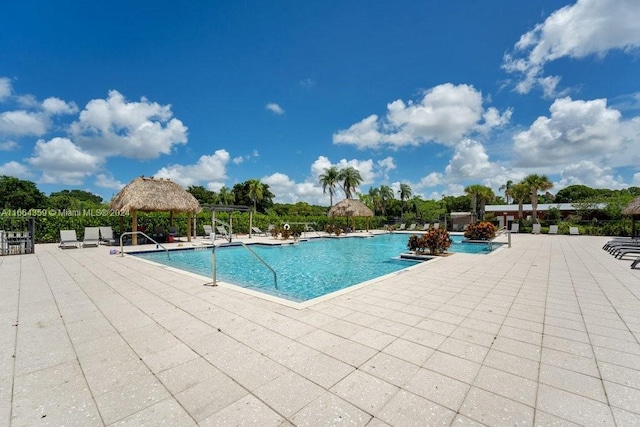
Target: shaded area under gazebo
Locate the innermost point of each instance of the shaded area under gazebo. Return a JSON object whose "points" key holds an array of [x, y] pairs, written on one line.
{"points": [[155, 195], [350, 208], [633, 209]]}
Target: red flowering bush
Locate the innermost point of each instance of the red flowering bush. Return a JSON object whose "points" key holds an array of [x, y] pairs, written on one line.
{"points": [[481, 231], [436, 241]]}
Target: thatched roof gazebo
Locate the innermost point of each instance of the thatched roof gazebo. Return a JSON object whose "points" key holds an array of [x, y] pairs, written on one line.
{"points": [[155, 195], [351, 208], [633, 209]]}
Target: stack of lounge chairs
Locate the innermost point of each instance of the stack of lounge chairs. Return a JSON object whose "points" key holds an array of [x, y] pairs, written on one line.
{"points": [[624, 246]]}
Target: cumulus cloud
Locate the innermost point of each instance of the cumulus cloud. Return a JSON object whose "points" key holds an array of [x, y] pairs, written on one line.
{"points": [[288, 191], [575, 130], [22, 123], [15, 169], [445, 114], [211, 170], [588, 27], [63, 162], [470, 161], [56, 106], [8, 145], [108, 181], [589, 174], [274, 108], [241, 159], [5, 88], [116, 127]]}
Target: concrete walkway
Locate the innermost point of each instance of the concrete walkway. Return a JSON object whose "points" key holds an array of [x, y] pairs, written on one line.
{"points": [[545, 332]]}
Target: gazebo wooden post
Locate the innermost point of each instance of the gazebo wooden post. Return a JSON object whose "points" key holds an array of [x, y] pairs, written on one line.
{"points": [[189, 227], [170, 218], [134, 227]]}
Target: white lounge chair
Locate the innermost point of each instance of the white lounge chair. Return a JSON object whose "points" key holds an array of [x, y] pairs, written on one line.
{"points": [[68, 239], [258, 232], [515, 227], [91, 237], [425, 227], [106, 236], [412, 227], [436, 225], [553, 229], [536, 229], [402, 227], [208, 231], [574, 231], [221, 230]]}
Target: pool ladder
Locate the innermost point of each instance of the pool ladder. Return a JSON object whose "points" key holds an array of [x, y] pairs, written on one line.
{"points": [[213, 263], [140, 232]]}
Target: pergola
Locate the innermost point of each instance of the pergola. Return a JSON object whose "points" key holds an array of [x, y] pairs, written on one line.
{"points": [[155, 195]]}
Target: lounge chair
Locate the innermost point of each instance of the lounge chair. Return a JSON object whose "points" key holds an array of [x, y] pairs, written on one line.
{"points": [[620, 253], [106, 236], [635, 262], [68, 239], [91, 237], [436, 225], [573, 231], [536, 229], [402, 227], [258, 232], [621, 241], [553, 229], [173, 231], [412, 227], [158, 234], [224, 233], [425, 227], [515, 227], [208, 231]]}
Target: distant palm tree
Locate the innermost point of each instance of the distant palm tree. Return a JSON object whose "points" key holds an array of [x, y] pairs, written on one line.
{"points": [[329, 179], [405, 193], [520, 192], [226, 196], [507, 190], [350, 178], [376, 200], [536, 183], [386, 195], [256, 192], [480, 195]]}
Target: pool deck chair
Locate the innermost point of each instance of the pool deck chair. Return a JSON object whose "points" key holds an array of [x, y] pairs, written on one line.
{"points": [[258, 232], [573, 231], [221, 230], [208, 231], [536, 229], [436, 225], [553, 229], [412, 227], [635, 262], [106, 236], [91, 237], [515, 227], [68, 239], [425, 227], [402, 227]]}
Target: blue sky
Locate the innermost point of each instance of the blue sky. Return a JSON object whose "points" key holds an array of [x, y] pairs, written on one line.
{"points": [[438, 95]]}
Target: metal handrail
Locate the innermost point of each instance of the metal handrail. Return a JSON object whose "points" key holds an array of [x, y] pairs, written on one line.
{"points": [[140, 232], [275, 277], [224, 224]]}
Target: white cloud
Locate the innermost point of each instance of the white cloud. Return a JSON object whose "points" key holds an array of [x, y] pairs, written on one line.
{"points": [[445, 114], [8, 145], [139, 130], [274, 108], [22, 123], [636, 180], [576, 130], [55, 106], [211, 170], [589, 174], [470, 161], [241, 159], [15, 169], [62, 162], [588, 27], [287, 190], [108, 181], [5, 88]]}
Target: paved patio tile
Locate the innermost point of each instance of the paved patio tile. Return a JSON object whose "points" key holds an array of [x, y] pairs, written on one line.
{"points": [[438, 388], [494, 410], [507, 385], [409, 351], [166, 412], [408, 409], [573, 407], [365, 391], [573, 382], [453, 366], [389, 368], [329, 410], [289, 393], [244, 412]]}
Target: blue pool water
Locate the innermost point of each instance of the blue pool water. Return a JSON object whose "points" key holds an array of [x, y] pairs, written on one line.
{"points": [[306, 270]]}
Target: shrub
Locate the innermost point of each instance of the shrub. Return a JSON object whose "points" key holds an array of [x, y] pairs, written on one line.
{"points": [[481, 231], [436, 241]]}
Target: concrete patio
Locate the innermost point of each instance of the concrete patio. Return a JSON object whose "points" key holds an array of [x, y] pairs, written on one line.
{"points": [[543, 333]]}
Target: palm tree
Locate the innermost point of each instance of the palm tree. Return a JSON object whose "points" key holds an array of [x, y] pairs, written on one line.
{"points": [[350, 178], [507, 190], [405, 193], [376, 200], [520, 192], [256, 191], [329, 179], [226, 196], [386, 194], [536, 183], [479, 195]]}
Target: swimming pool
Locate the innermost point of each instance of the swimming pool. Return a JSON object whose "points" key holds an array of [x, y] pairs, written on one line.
{"points": [[306, 270]]}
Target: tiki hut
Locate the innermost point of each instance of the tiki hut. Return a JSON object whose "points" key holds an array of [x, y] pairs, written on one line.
{"points": [[155, 195], [633, 209], [351, 208]]}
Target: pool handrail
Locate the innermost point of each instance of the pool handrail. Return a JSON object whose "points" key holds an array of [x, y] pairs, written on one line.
{"points": [[275, 276], [140, 232]]}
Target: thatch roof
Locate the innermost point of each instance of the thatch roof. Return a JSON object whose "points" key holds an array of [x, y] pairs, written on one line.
{"points": [[151, 195], [633, 208], [350, 207]]}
